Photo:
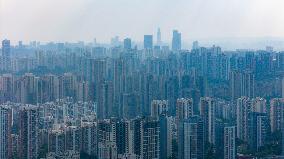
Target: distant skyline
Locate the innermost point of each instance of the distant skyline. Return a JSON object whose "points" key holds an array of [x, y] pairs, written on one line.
{"points": [[75, 20]]}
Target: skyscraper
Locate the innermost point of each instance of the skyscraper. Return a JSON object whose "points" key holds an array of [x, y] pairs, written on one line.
{"points": [[127, 43], [107, 150], [137, 128], [130, 105], [122, 137], [115, 41], [195, 45], [29, 130], [166, 136], [56, 142], [259, 105], [242, 84], [283, 87], [276, 111], [184, 108], [244, 107], [6, 49], [148, 41], [235, 84], [257, 130], [230, 142], [159, 37], [73, 138], [151, 139], [5, 132], [159, 107], [248, 84], [89, 138], [207, 111], [282, 132], [176, 41], [191, 138], [105, 100]]}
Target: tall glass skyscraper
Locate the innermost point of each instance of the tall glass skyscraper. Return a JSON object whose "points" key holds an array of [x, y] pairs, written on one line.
{"points": [[148, 41], [176, 41]]}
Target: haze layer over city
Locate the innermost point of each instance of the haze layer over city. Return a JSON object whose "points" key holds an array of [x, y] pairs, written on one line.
{"points": [[151, 79]]}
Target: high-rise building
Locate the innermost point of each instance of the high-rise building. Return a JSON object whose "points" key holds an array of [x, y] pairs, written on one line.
{"points": [[56, 142], [51, 87], [96, 70], [283, 87], [258, 130], [20, 44], [148, 41], [166, 136], [219, 137], [242, 84], [159, 107], [195, 45], [184, 109], [82, 92], [115, 41], [130, 105], [230, 142], [6, 54], [282, 132], [29, 131], [259, 105], [123, 137], [7, 85], [137, 129], [5, 132], [276, 111], [89, 138], [222, 66], [68, 85], [127, 43], [106, 131], [6, 48], [105, 100], [248, 84], [176, 41], [159, 37], [151, 139], [191, 138], [235, 85], [107, 150], [244, 108], [73, 138], [208, 113]]}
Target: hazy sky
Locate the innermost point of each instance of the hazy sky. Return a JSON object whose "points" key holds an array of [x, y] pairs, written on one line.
{"points": [[73, 20]]}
